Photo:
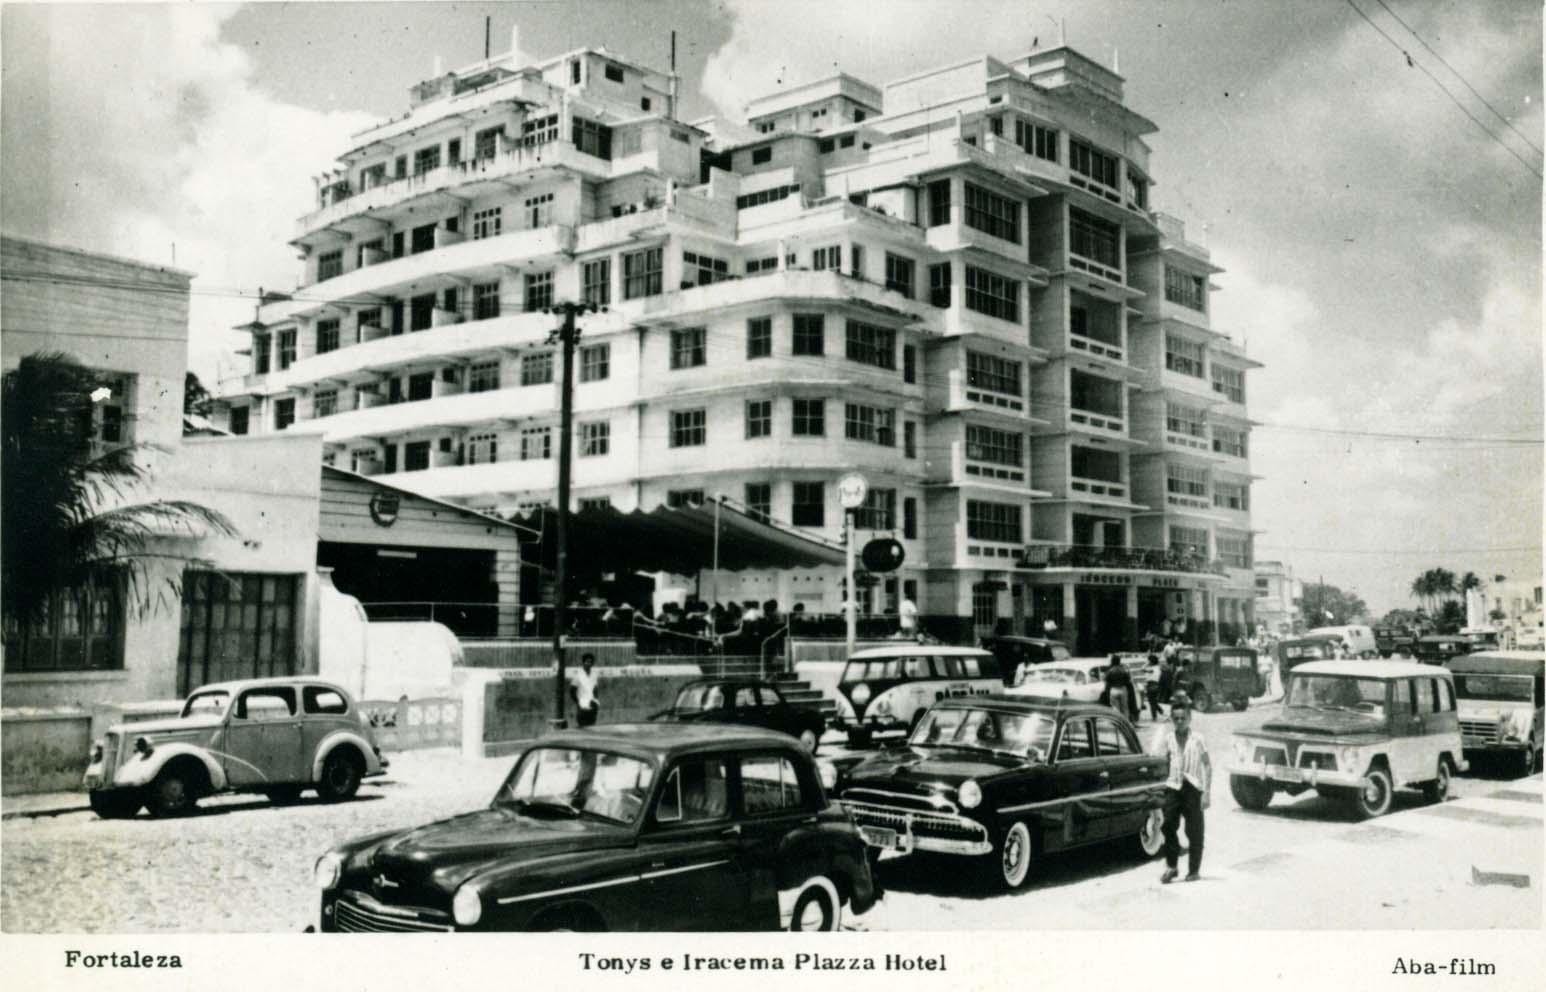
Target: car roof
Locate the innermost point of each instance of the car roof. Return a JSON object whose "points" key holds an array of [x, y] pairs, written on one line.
{"points": [[1005, 703], [1369, 669], [238, 685], [1018, 639], [903, 650], [648, 740], [1446, 637], [1498, 663], [1068, 664]]}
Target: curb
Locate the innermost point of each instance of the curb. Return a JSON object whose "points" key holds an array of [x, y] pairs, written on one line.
{"points": [[29, 814]]}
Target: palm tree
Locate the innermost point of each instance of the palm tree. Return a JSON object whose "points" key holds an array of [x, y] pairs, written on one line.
{"points": [[71, 516], [1443, 583], [1422, 588]]}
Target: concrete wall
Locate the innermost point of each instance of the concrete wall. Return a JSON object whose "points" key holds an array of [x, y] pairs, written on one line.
{"points": [[502, 709]]}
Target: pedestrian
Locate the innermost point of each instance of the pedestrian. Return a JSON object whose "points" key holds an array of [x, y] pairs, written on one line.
{"points": [[1118, 692], [1166, 681], [582, 688], [907, 618], [1187, 786], [1155, 687]]}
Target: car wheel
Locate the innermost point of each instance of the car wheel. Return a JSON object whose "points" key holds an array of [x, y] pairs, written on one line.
{"points": [[1014, 856], [1373, 795], [810, 740], [1151, 837], [283, 794], [1240, 704], [340, 775], [171, 794], [1526, 761], [817, 907], [1249, 793], [115, 805], [1202, 699], [1437, 790]]}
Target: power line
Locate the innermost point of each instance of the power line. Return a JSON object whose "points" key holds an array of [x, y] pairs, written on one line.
{"points": [[1506, 122], [1453, 99]]}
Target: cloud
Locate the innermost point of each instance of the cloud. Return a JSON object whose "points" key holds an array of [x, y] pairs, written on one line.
{"points": [[155, 135]]}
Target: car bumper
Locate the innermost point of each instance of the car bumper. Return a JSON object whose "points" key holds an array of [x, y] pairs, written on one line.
{"points": [[888, 828], [1286, 775]]}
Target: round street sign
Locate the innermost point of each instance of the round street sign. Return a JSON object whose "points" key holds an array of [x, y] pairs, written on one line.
{"points": [[884, 554], [851, 490]]}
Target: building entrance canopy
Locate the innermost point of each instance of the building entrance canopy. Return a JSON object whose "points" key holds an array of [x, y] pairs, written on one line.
{"points": [[679, 540]]}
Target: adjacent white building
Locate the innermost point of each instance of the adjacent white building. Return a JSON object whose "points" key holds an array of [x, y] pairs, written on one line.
{"points": [[953, 283]]}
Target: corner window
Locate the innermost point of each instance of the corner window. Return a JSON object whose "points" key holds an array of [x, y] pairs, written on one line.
{"points": [[769, 785], [763, 155], [319, 699]]}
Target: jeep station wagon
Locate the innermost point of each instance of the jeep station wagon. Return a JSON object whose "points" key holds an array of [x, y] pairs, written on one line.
{"points": [[1353, 731], [274, 736], [649, 826], [1219, 675]]}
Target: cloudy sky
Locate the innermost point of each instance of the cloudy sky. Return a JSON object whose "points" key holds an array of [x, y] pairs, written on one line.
{"points": [[1383, 253]]}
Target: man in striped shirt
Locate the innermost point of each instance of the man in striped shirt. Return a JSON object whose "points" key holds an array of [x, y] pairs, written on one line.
{"points": [[1186, 788]]}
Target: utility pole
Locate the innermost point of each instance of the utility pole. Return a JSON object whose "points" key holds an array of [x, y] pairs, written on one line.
{"points": [[566, 335]]}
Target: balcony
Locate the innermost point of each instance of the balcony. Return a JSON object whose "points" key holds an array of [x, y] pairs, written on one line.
{"points": [[446, 410], [1098, 488], [963, 396], [1098, 349], [1097, 422], [1132, 559], [796, 285]]}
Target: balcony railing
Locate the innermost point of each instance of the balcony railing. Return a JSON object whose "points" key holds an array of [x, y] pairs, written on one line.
{"points": [[1098, 487], [1101, 421], [1095, 347], [1149, 560]]}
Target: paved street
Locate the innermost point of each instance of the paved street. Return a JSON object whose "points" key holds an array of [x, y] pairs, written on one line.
{"points": [[244, 865]]}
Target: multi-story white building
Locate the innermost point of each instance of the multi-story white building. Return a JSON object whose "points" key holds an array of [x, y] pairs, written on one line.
{"points": [[953, 284], [1278, 598]]}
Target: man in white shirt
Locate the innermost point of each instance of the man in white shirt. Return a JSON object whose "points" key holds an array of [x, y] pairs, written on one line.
{"points": [[582, 687], [1186, 788], [907, 617]]}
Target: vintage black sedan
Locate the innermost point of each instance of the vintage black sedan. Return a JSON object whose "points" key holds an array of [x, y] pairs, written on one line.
{"points": [[748, 702], [622, 827], [1008, 780]]}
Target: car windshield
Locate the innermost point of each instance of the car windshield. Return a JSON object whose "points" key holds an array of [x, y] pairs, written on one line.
{"points": [[1504, 688], [700, 699], [1338, 692], [1067, 676], [556, 781], [207, 704], [1307, 651], [1022, 734]]}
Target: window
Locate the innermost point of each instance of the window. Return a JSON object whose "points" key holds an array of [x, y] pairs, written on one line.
{"points": [[641, 273], [695, 791], [910, 439], [316, 699], [423, 239], [539, 291], [809, 506], [483, 377], [327, 336], [986, 444], [998, 216], [426, 159], [537, 370], [485, 301], [486, 143], [763, 155], [360, 251], [487, 223], [1184, 288], [400, 167], [324, 403], [1231, 496], [1110, 740], [830, 257], [1182, 480], [759, 418], [688, 347], [1228, 441], [482, 448], [421, 385], [286, 349], [760, 197], [1230, 383], [416, 456], [454, 151], [613, 72], [754, 266], [1137, 190], [856, 261], [899, 274], [284, 413], [539, 130], [260, 354], [688, 428], [1096, 166], [537, 211], [876, 425], [238, 422], [871, 345], [595, 362], [759, 337], [1095, 239], [595, 438], [810, 334], [995, 374], [993, 521], [810, 418], [939, 284], [366, 318], [769, 785], [939, 202], [450, 301], [373, 176], [78, 629], [596, 282], [595, 503], [703, 270], [992, 294], [1234, 548], [909, 363], [826, 146], [910, 519], [536, 443], [330, 264], [421, 312], [1183, 356], [678, 498], [878, 512], [574, 72], [1191, 421], [1189, 540], [759, 500], [1037, 140]]}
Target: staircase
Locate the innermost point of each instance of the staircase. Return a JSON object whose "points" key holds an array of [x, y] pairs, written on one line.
{"points": [[801, 693]]}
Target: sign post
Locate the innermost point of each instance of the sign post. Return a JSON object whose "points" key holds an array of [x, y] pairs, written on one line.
{"points": [[851, 492]]}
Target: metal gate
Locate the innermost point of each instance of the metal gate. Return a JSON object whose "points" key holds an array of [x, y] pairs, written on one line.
{"points": [[236, 626]]}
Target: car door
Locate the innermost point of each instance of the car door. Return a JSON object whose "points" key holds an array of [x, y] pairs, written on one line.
{"points": [[323, 710], [1134, 779], [1407, 745], [263, 738], [775, 813], [1077, 788], [748, 708], [692, 873], [781, 716]]}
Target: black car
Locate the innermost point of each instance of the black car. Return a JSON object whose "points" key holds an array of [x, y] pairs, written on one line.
{"points": [[1015, 654], [1007, 780], [1437, 649], [749, 703], [623, 827]]}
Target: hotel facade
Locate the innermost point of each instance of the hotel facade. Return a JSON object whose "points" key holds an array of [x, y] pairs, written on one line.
{"points": [[953, 284]]}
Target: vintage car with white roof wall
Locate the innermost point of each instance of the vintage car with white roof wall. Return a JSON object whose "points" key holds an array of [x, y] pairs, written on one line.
{"points": [[1500, 695]]}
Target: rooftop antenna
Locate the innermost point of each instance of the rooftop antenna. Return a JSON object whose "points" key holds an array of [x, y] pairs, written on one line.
{"points": [[488, 25], [1063, 33], [673, 74]]}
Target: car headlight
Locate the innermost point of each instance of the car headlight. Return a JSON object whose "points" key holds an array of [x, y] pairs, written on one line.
{"points": [[1349, 759], [467, 907], [883, 707], [1513, 727], [330, 868], [828, 772], [970, 794], [1242, 751], [861, 694]]}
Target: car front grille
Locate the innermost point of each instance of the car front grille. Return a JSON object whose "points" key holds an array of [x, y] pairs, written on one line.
{"points": [[1325, 762], [899, 800], [1270, 756], [354, 914], [942, 825], [1478, 732]]}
